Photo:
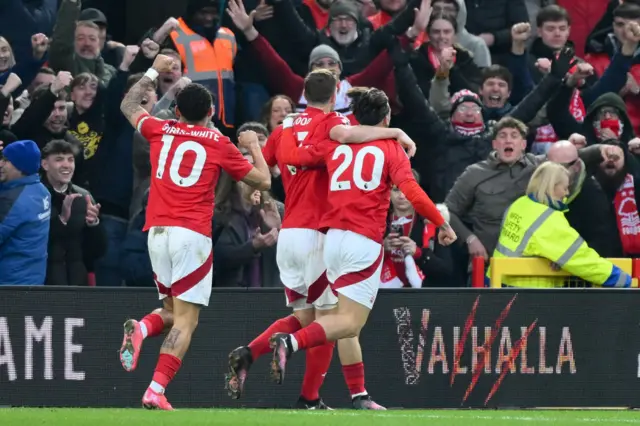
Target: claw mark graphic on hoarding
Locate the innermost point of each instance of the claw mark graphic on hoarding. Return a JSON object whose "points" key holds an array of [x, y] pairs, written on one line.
{"points": [[487, 348], [460, 347], [411, 361], [510, 359]]}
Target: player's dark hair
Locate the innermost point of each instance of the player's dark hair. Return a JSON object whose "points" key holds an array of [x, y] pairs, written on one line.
{"points": [[627, 10], [510, 123], [497, 71], [319, 86], [370, 106], [259, 128], [446, 17], [194, 102], [57, 146], [552, 13]]}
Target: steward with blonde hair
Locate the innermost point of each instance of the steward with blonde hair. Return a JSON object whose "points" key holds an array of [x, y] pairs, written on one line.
{"points": [[535, 226]]}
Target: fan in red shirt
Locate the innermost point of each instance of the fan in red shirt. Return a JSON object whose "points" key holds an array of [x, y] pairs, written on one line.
{"points": [[300, 244], [186, 161], [360, 181]]}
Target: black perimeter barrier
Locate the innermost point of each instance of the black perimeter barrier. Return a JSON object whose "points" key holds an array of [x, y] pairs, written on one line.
{"points": [[570, 348]]}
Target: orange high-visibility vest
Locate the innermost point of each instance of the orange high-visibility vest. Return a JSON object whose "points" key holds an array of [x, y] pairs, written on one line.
{"points": [[208, 64]]}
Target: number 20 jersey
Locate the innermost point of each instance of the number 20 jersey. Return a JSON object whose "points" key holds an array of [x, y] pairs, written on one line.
{"points": [[185, 166], [360, 181]]}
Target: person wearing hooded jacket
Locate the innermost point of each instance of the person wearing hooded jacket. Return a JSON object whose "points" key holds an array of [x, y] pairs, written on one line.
{"points": [[606, 43], [208, 51], [606, 118]]}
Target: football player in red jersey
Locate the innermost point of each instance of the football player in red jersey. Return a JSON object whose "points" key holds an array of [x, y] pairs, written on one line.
{"points": [[300, 245], [186, 161], [360, 181]]}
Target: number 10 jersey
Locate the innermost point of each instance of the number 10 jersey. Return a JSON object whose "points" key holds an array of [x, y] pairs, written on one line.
{"points": [[186, 161]]}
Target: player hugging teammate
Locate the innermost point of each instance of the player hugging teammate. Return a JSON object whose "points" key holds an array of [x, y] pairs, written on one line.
{"points": [[326, 187]]}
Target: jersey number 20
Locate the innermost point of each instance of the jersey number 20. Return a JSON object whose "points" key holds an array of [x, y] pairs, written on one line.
{"points": [[174, 167], [365, 185]]}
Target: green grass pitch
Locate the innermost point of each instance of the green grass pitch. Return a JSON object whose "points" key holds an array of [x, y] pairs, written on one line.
{"points": [[223, 417]]}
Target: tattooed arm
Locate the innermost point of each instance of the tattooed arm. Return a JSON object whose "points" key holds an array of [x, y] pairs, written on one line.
{"points": [[131, 105]]}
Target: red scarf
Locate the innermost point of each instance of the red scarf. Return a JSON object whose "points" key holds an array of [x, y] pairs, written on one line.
{"points": [[320, 15], [627, 217], [393, 267], [468, 129], [433, 57], [612, 124]]}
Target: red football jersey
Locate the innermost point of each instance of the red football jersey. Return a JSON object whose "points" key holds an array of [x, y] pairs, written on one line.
{"points": [[360, 181], [307, 189], [185, 165]]}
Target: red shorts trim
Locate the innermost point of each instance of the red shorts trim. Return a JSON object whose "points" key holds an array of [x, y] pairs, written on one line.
{"points": [[189, 281], [317, 288], [358, 276], [292, 296]]}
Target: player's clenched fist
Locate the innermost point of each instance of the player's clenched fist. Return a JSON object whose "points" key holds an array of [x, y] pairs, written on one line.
{"points": [[163, 63], [248, 139]]}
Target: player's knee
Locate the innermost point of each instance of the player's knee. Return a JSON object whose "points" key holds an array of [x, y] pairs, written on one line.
{"points": [[305, 316]]}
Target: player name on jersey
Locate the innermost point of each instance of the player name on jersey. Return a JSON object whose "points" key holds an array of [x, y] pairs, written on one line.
{"points": [[169, 128]]}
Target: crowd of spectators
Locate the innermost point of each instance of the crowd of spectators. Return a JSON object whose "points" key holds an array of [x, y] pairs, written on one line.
{"points": [[488, 90]]}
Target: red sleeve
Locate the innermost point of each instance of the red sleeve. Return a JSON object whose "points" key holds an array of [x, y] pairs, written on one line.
{"points": [[333, 120], [376, 74], [402, 177], [271, 147], [304, 156], [148, 126], [233, 162], [280, 78]]}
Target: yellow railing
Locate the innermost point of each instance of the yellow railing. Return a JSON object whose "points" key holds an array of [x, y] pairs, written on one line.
{"points": [[538, 267]]}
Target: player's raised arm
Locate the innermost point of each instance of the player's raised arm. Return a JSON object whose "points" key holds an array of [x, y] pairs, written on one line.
{"points": [[297, 156], [131, 105], [259, 177], [402, 177]]}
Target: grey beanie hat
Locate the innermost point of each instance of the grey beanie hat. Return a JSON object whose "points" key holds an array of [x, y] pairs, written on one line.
{"points": [[323, 51]]}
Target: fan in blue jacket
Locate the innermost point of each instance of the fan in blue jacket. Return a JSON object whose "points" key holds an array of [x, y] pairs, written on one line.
{"points": [[25, 208]]}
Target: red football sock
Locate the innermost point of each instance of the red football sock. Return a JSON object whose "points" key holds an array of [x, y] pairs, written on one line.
{"points": [[318, 361], [354, 377], [260, 345], [154, 324], [310, 336], [166, 369]]}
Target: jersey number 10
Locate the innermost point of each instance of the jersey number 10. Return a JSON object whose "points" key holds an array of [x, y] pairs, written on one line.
{"points": [[178, 155], [365, 185]]}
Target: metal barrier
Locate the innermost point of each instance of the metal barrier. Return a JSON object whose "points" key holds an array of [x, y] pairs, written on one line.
{"points": [[423, 348]]}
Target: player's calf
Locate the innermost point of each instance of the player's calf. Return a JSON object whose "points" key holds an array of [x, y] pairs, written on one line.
{"points": [[175, 345]]}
